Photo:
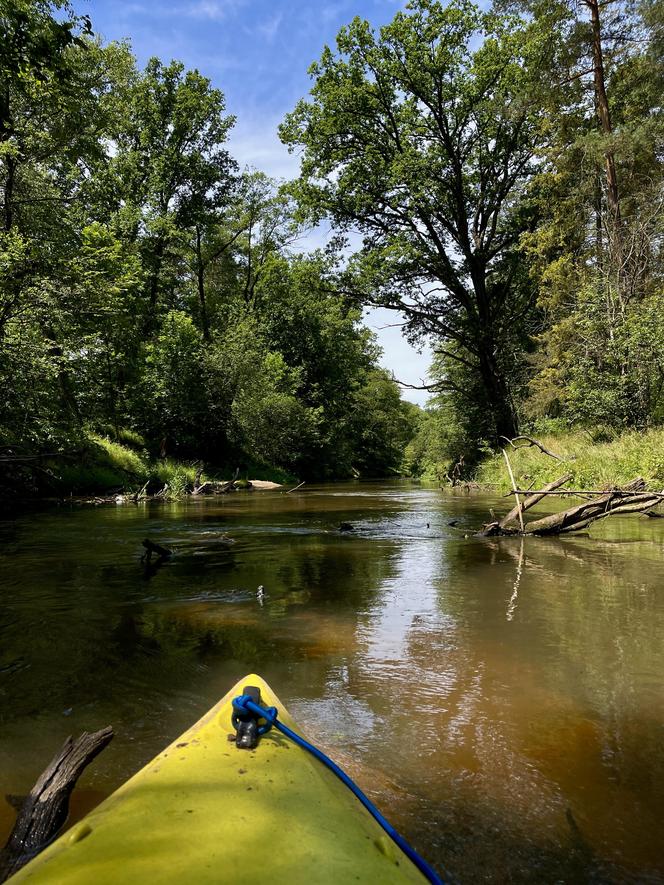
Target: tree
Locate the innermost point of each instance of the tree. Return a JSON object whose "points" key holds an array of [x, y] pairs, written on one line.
{"points": [[596, 254], [170, 172], [426, 146]]}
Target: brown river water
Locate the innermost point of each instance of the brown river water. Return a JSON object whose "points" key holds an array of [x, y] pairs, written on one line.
{"points": [[501, 700]]}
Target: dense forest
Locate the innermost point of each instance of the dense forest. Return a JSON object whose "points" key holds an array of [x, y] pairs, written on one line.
{"points": [[494, 175]]}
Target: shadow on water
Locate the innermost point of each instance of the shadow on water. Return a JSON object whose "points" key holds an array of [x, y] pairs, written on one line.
{"points": [[500, 699]]}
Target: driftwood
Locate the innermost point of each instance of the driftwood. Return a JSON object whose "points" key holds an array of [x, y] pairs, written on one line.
{"points": [[45, 809], [295, 489], [533, 498], [530, 442], [519, 508], [632, 498], [209, 487], [151, 547], [142, 493]]}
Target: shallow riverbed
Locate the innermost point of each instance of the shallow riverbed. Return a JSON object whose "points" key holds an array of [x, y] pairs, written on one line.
{"points": [[501, 700]]}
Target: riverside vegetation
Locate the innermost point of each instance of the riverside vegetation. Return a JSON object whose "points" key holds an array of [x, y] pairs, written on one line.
{"points": [[502, 166]]}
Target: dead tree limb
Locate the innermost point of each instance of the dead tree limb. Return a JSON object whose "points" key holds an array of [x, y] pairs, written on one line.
{"points": [[580, 492], [516, 495], [632, 498], [533, 498], [530, 442], [151, 547], [45, 810], [141, 493]]}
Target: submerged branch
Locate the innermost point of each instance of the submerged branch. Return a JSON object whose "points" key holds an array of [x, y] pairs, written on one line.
{"points": [[45, 809]]}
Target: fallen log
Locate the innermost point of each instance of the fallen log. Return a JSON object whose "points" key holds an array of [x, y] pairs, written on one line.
{"points": [[583, 515], [205, 488], [152, 547], [45, 810], [534, 498], [632, 498]]}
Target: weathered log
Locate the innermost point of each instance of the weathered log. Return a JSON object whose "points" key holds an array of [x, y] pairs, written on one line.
{"points": [[205, 488], [638, 505], [614, 501], [142, 493], [632, 498], [533, 499], [582, 493], [151, 547], [45, 810]]}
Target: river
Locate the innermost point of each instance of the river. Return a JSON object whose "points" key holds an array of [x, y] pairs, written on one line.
{"points": [[501, 700]]}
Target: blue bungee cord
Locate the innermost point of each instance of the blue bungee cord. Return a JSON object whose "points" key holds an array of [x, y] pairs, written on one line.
{"points": [[245, 704]]}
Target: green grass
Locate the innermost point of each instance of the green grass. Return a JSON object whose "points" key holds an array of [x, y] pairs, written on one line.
{"points": [[177, 475], [118, 456], [104, 466], [108, 465], [593, 465]]}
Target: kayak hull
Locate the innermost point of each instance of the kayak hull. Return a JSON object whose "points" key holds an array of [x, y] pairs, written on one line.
{"points": [[203, 811]]}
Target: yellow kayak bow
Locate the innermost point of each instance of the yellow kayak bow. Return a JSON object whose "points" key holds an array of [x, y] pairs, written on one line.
{"points": [[204, 811]]}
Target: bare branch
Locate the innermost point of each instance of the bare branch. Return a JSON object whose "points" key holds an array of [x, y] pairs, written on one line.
{"points": [[530, 442]]}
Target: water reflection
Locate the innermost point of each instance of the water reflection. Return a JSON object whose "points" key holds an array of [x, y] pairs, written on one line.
{"points": [[501, 699]]}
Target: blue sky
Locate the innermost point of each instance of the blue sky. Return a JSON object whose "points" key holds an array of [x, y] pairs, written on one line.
{"points": [[257, 53]]}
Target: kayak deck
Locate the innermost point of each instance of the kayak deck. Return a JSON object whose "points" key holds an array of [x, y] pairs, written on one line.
{"points": [[204, 811]]}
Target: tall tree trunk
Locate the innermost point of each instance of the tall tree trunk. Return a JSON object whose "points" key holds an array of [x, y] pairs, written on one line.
{"points": [[153, 286], [495, 386], [200, 275], [493, 379], [604, 116]]}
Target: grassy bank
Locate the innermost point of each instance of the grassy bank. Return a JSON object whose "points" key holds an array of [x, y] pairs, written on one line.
{"points": [[593, 465], [106, 466]]}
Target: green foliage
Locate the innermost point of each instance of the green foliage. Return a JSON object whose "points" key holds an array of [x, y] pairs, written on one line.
{"points": [[104, 465], [593, 465], [423, 137], [385, 426], [150, 294], [171, 389], [177, 476]]}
